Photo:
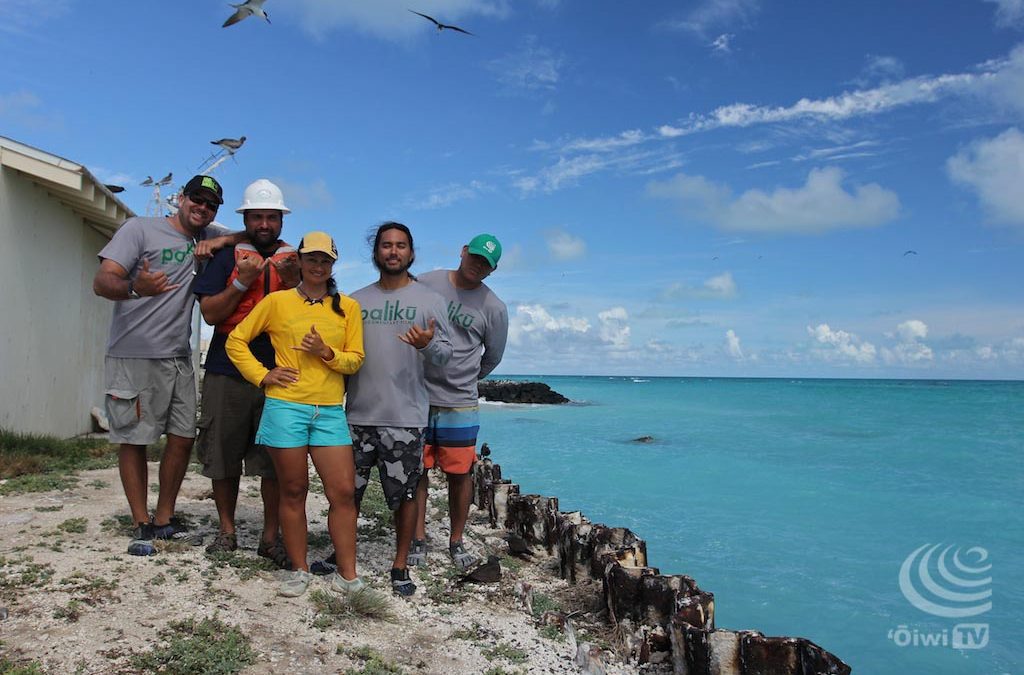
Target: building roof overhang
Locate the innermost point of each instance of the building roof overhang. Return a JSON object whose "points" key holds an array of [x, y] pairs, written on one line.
{"points": [[69, 183]]}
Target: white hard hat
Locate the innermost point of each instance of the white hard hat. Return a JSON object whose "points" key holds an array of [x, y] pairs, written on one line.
{"points": [[262, 194]]}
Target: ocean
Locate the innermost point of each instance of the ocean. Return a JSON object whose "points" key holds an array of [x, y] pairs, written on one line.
{"points": [[799, 502]]}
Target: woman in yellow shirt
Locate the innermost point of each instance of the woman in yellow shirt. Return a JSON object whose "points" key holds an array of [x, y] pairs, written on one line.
{"points": [[317, 335]]}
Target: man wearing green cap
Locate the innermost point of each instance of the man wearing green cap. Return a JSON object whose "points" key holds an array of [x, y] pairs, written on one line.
{"points": [[479, 328]]}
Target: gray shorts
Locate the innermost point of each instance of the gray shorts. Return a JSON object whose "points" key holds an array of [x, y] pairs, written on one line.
{"points": [[146, 398], [228, 419], [397, 452]]}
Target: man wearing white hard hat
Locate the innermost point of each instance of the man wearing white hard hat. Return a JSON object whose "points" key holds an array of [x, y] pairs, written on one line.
{"points": [[235, 280]]}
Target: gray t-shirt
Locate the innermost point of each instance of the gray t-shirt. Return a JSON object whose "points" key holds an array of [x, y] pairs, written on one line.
{"points": [[389, 389], [158, 326], [479, 321]]}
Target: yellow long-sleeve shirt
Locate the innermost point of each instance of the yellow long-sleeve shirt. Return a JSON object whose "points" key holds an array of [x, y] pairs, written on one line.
{"points": [[287, 318]]}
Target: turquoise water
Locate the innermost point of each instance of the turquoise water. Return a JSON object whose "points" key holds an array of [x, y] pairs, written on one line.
{"points": [[797, 501]]}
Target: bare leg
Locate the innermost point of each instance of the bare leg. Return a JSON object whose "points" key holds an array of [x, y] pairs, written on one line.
{"points": [[421, 505], [271, 494], [338, 473], [293, 479], [131, 462], [225, 496], [460, 494], [172, 471], [405, 525]]}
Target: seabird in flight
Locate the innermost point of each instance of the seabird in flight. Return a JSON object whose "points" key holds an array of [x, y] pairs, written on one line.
{"points": [[440, 26], [245, 10], [909, 252]]}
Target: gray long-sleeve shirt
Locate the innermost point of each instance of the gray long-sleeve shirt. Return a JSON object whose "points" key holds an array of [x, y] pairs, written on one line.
{"points": [[389, 390], [479, 329]]}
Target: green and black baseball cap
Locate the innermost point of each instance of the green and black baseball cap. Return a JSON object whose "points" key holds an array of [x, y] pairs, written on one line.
{"points": [[207, 184]]}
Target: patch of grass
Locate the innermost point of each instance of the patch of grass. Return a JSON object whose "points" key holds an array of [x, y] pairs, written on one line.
{"points": [[158, 580], [334, 609], [70, 612], [38, 463], [553, 632], [9, 667], [98, 484], [373, 663], [316, 486], [441, 590], [504, 650], [511, 563], [321, 539], [190, 646], [498, 670], [16, 575], [118, 526], [55, 507], [374, 508], [74, 525], [472, 634], [544, 603], [245, 566]]}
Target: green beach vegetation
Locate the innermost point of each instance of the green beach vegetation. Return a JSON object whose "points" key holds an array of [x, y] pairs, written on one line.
{"points": [[38, 463]]}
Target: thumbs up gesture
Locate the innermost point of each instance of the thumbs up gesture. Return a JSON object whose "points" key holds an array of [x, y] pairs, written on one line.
{"points": [[312, 343]]}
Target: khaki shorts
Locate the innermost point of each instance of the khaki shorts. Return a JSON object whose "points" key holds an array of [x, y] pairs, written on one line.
{"points": [[146, 398], [228, 420]]}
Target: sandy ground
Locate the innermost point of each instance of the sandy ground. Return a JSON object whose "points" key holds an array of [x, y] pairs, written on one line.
{"points": [[75, 601]]}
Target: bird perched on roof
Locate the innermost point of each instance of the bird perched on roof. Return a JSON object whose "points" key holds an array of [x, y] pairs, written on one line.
{"points": [[115, 188], [440, 26], [485, 573], [147, 182], [166, 180], [245, 10], [230, 144]]}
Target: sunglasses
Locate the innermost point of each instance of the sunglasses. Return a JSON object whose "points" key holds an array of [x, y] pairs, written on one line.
{"points": [[208, 203]]}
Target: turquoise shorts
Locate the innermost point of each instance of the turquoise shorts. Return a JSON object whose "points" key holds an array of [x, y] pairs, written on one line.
{"points": [[293, 425]]}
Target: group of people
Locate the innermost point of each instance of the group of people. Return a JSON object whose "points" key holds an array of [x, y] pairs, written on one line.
{"points": [[385, 377]]}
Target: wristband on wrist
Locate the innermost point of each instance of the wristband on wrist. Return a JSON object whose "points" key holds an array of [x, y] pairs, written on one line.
{"points": [[239, 285]]}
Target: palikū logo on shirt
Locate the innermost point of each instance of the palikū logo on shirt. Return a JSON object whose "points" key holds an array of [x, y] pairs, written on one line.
{"points": [[177, 255], [458, 317], [391, 312]]}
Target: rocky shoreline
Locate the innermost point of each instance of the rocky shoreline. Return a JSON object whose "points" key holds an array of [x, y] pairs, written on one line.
{"points": [[512, 391], [74, 601]]}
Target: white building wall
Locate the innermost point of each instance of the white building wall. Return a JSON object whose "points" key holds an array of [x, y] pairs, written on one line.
{"points": [[53, 329]]}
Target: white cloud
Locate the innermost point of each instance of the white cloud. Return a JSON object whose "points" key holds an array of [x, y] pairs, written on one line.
{"points": [[1009, 12], [882, 68], [721, 287], [446, 195], [820, 205], [711, 14], [568, 170], [388, 19], [838, 345], [994, 169], [910, 348], [564, 246], [531, 323], [615, 327], [732, 345], [721, 43], [529, 68]]}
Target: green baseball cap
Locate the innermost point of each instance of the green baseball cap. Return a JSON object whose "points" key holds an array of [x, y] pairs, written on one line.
{"points": [[488, 246]]}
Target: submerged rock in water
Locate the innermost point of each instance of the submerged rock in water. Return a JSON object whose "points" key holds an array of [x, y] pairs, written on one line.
{"points": [[644, 439], [508, 391]]}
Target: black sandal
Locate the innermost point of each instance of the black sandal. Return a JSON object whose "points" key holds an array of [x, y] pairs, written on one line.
{"points": [[274, 551]]}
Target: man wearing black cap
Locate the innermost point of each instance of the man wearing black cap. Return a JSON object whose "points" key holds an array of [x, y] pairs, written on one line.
{"points": [[148, 269]]}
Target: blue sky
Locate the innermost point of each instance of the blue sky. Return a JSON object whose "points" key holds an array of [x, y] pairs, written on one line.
{"points": [[718, 187]]}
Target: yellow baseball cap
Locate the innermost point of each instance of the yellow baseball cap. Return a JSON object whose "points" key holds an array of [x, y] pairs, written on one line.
{"points": [[318, 241]]}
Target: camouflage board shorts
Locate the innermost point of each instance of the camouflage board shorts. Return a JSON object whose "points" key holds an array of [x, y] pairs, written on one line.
{"points": [[397, 452]]}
